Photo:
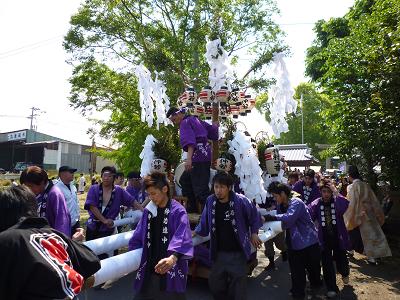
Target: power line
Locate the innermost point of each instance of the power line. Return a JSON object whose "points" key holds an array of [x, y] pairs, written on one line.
{"points": [[29, 47]]}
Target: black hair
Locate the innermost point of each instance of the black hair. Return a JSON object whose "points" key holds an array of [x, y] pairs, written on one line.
{"points": [[172, 110], [133, 174], [310, 173], [277, 187], [109, 169], [33, 175], [223, 178], [157, 180], [119, 174], [15, 203], [294, 175], [353, 172]]}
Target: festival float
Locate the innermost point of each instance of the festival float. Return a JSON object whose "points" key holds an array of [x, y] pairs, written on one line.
{"points": [[239, 154]]}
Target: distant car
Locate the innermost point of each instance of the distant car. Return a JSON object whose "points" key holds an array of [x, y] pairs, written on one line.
{"points": [[20, 166], [2, 171]]}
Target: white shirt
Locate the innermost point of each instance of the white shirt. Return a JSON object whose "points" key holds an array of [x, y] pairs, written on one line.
{"points": [[71, 198], [82, 181]]}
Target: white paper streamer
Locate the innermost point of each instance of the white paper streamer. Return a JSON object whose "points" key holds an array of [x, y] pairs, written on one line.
{"points": [[149, 92], [247, 167], [118, 266], [152, 207], [109, 243], [220, 67], [281, 97], [271, 230], [147, 155], [126, 221]]}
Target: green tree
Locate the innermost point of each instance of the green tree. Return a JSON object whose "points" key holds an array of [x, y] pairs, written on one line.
{"points": [[316, 130], [355, 60], [107, 39]]}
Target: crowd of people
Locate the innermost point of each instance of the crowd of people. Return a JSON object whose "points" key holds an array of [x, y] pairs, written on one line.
{"points": [[323, 220]]}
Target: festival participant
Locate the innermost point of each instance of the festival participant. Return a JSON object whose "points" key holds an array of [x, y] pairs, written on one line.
{"points": [[81, 184], [278, 240], [67, 187], [51, 201], [333, 237], [364, 219], [119, 179], [38, 262], [194, 135], [293, 178], [301, 239], [136, 189], [165, 236], [233, 222], [308, 187], [103, 203]]}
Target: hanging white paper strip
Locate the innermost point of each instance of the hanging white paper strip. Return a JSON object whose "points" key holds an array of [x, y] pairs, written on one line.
{"points": [[281, 97]]}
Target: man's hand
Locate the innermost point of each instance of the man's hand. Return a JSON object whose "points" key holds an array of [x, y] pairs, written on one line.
{"points": [[188, 164], [165, 264], [255, 240], [109, 223], [194, 233], [79, 235], [269, 218]]}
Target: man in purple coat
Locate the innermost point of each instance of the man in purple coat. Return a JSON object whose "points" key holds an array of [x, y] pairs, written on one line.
{"points": [[233, 222], [165, 236], [308, 187], [328, 212], [51, 201], [194, 135], [301, 239], [103, 203]]}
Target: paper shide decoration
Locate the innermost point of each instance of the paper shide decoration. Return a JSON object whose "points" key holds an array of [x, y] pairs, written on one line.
{"points": [[153, 97]]}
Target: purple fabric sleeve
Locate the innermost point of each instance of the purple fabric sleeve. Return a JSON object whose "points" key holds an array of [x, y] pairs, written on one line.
{"points": [[298, 187], [57, 213], [312, 209], [187, 135], [137, 238], [212, 130], [181, 241], [92, 197], [126, 198], [290, 217], [202, 228], [253, 216]]}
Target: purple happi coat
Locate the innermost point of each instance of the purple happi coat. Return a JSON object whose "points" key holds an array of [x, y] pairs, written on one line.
{"points": [[56, 211], [341, 204], [195, 132], [246, 220], [121, 197], [298, 220], [308, 194], [180, 241]]}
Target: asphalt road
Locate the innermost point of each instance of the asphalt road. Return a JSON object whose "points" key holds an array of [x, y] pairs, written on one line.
{"points": [[261, 285]]}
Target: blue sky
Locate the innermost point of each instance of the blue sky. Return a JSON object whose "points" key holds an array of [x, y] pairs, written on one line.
{"points": [[33, 71]]}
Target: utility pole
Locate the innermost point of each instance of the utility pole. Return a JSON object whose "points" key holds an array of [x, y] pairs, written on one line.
{"points": [[33, 115], [302, 119]]}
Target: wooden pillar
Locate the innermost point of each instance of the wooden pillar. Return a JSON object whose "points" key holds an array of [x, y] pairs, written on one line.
{"points": [[215, 118]]}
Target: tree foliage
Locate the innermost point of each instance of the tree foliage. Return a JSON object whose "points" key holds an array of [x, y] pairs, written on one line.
{"points": [[355, 59], [316, 130], [108, 38]]}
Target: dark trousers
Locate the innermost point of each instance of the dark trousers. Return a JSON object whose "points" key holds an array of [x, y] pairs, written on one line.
{"points": [[228, 276], [195, 184], [338, 255], [151, 291], [95, 234], [300, 261]]}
